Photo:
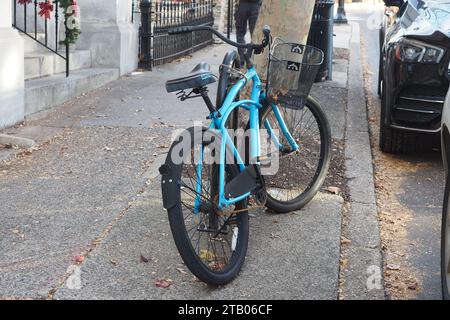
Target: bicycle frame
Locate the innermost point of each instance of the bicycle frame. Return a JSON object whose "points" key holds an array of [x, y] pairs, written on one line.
{"points": [[219, 120]]}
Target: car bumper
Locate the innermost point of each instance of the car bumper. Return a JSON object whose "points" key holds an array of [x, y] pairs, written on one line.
{"points": [[418, 113], [419, 92]]}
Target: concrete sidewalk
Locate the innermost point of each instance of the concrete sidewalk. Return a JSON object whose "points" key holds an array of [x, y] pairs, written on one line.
{"points": [[86, 201]]}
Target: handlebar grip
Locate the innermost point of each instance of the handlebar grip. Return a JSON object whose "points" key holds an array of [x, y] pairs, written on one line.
{"points": [[267, 31], [180, 30]]}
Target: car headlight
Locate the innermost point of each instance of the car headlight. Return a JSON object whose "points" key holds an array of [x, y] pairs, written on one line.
{"points": [[407, 50]]}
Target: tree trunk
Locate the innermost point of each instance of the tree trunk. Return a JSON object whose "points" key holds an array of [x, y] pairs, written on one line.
{"points": [[288, 19]]}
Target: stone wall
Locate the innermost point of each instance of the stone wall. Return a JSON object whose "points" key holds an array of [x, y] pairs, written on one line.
{"points": [[108, 33]]}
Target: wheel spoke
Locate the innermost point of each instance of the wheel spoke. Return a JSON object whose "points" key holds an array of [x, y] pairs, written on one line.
{"points": [[297, 171]]}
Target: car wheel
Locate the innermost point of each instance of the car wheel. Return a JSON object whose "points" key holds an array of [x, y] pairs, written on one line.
{"points": [[392, 140], [445, 244]]}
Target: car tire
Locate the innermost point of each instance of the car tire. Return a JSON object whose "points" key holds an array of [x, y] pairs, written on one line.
{"points": [[396, 141], [380, 66], [444, 243]]}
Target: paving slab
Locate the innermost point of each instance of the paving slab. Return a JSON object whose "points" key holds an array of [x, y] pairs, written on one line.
{"points": [[60, 198], [303, 263]]}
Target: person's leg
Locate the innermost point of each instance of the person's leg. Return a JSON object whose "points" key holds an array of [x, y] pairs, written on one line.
{"points": [[241, 17], [253, 17]]}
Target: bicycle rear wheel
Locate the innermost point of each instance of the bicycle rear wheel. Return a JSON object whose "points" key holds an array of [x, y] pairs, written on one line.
{"points": [[301, 174], [212, 243]]}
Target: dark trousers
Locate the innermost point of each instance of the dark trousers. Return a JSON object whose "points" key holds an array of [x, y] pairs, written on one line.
{"points": [[246, 14]]}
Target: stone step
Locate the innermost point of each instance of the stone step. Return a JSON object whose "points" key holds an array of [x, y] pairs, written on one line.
{"points": [[41, 64], [45, 93], [31, 45]]}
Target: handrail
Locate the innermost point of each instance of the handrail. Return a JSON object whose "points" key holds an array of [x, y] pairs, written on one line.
{"points": [[20, 22]]}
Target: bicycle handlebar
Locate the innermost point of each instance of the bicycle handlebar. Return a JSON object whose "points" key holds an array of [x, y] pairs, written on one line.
{"points": [[257, 48]]}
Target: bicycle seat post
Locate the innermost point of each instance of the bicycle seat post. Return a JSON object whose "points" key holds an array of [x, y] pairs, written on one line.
{"points": [[203, 92]]}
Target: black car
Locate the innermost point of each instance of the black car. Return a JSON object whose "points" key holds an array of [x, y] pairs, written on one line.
{"points": [[414, 72]]}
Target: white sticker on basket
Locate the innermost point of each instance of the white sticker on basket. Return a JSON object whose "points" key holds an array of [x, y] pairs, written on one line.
{"points": [[293, 66], [297, 49]]}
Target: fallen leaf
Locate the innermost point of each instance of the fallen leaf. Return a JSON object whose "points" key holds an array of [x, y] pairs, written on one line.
{"points": [[79, 259], [164, 284], [144, 259], [334, 190], [180, 270], [207, 255], [275, 236], [113, 262], [413, 286], [393, 267], [218, 265], [344, 240]]}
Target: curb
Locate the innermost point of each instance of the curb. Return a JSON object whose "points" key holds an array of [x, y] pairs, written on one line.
{"points": [[17, 141], [363, 273]]}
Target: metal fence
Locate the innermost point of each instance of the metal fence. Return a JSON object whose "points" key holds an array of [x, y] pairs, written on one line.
{"points": [[157, 17]]}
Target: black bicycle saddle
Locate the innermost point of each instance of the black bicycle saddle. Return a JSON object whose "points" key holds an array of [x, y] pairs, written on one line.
{"points": [[199, 77]]}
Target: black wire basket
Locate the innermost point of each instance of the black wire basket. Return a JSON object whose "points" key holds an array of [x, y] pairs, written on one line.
{"points": [[291, 72]]}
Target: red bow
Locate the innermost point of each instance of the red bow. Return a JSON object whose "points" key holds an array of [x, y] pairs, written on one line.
{"points": [[46, 9]]}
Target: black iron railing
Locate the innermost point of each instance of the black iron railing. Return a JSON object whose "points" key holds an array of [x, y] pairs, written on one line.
{"points": [[157, 17], [44, 31], [230, 17]]}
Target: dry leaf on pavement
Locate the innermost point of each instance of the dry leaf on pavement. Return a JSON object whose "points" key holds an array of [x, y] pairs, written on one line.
{"points": [[180, 270], [334, 190], [145, 259], [393, 267], [344, 240], [164, 284], [79, 259]]}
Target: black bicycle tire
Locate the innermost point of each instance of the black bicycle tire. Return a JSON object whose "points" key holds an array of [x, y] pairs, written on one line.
{"points": [[184, 245]]}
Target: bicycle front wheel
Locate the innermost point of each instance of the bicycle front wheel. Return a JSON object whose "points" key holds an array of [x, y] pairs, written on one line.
{"points": [[212, 242], [300, 174]]}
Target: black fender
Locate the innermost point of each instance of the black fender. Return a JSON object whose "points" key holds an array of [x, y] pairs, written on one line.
{"points": [[169, 185], [224, 80], [171, 170]]}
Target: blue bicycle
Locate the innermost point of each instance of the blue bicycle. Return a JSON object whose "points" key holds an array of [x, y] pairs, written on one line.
{"points": [[212, 176]]}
